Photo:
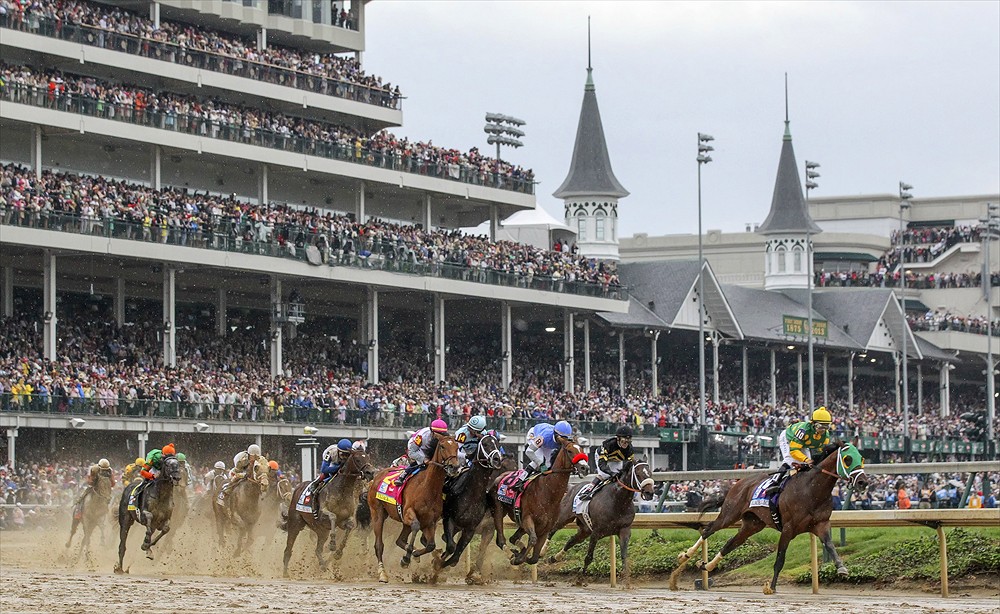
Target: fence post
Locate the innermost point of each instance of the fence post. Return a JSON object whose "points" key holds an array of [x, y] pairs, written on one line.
{"points": [[613, 551], [704, 558], [943, 548], [814, 564]]}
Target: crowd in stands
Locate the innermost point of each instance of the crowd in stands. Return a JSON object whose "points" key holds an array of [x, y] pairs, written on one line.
{"points": [[882, 278], [123, 30], [93, 204], [945, 320], [926, 244], [214, 118]]}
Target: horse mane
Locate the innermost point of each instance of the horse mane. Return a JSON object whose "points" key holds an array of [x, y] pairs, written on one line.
{"points": [[829, 449]]}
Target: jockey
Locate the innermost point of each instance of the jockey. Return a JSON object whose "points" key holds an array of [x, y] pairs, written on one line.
{"points": [[799, 441], [615, 452], [468, 436], [216, 471], [420, 445], [102, 467], [132, 470], [186, 468], [241, 463], [543, 440], [153, 464], [334, 458], [360, 444]]}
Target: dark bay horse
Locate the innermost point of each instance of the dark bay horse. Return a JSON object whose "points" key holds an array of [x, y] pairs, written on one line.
{"points": [[242, 509], [339, 502], [539, 504], [466, 506], [611, 513], [93, 510], [420, 502], [154, 509], [804, 506]]}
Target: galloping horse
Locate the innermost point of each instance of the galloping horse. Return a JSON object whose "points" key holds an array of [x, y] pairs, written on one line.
{"points": [[804, 506], [243, 505], [539, 503], [418, 506], [339, 502], [93, 510], [466, 506], [153, 509], [610, 513]]}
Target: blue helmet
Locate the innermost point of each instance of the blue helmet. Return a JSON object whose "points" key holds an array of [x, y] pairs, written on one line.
{"points": [[344, 445], [563, 429], [477, 423]]}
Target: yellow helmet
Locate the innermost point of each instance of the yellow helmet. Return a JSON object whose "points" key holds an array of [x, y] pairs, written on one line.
{"points": [[822, 415], [139, 460]]}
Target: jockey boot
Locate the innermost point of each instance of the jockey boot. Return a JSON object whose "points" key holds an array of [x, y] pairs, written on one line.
{"points": [[778, 481], [589, 492], [405, 474]]}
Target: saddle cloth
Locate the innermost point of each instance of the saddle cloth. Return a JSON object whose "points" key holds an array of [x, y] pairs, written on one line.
{"points": [[582, 507], [133, 497], [304, 504], [387, 489], [759, 499]]}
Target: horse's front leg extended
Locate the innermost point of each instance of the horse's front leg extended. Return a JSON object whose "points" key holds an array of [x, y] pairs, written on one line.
{"points": [[347, 526], [823, 532]]}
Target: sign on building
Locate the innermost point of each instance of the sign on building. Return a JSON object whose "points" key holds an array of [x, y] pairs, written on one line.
{"points": [[796, 326]]}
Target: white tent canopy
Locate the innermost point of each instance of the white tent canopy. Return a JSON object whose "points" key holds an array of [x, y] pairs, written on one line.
{"points": [[535, 227]]}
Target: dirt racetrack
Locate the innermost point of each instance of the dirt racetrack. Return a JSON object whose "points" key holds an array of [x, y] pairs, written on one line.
{"points": [[38, 574]]}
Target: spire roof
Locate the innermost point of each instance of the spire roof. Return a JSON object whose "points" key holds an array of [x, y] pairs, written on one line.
{"points": [[789, 212]]}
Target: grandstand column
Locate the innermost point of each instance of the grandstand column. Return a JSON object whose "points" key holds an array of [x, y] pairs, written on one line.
{"points": [[325, 13], [494, 221], [621, 363], [568, 351], [169, 316], [895, 384], [774, 380], [154, 14], [427, 213], [746, 377], [155, 166], [715, 368], [36, 151], [826, 380], [586, 355], [8, 291], [372, 329], [143, 438], [276, 313], [262, 38], [654, 381], [850, 383], [507, 361], [221, 307], [945, 383], [262, 196], [11, 441], [439, 347], [120, 302], [49, 305], [920, 388], [359, 203], [798, 361]]}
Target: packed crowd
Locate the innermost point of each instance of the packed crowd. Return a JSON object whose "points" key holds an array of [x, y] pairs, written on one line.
{"points": [[926, 244], [214, 118], [123, 30], [941, 319], [882, 278], [178, 216]]}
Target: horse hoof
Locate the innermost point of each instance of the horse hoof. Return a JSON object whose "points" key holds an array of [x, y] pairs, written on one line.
{"points": [[768, 590], [842, 571], [700, 565], [404, 562], [682, 558], [474, 579], [149, 555], [337, 555], [382, 577]]}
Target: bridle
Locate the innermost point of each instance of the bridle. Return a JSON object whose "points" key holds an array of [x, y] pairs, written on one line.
{"points": [[353, 461], [487, 461], [634, 480], [443, 463]]}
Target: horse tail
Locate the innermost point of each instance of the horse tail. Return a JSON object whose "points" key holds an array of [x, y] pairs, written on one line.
{"points": [[712, 504], [363, 515]]}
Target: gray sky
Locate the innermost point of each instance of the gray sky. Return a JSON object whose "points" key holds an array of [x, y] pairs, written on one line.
{"points": [[879, 92]]}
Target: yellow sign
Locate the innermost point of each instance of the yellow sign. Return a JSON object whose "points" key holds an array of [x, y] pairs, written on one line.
{"points": [[797, 326]]}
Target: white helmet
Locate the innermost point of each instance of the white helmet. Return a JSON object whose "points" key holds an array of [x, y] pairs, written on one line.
{"points": [[104, 464], [360, 445], [253, 450], [220, 465]]}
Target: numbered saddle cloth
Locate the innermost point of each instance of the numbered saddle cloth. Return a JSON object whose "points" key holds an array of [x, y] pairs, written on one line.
{"points": [[387, 489], [304, 504]]}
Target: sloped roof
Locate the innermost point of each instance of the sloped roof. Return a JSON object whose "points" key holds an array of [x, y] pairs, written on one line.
{"points": [[859, 309], [789, 213], [665, 283], [590, 171], [536, 217], [638, 316]]}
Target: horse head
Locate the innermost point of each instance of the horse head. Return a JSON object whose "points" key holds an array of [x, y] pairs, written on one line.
{"points": [[851, 466], [446, 455], [171, 469], [577, 460], [359, 464], [640, 479], [488, 452], [259, 473]]}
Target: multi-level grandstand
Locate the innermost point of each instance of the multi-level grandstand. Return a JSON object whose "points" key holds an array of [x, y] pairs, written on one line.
{"points": [[209, 234]]}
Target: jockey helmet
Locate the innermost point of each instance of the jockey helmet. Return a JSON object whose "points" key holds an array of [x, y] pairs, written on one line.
{"points": [[220, 465], [181, 456], [477, 423], [359, 445], [168, 450], [563, 429], [822, 415], [624, 431], [439, 426], [253, 450], [273, 464], [139, 460], [344, 445], [104, 464]]}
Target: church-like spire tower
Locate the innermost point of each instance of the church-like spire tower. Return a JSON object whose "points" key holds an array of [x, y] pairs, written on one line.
{"points": [[788, 257], [591, 191]]}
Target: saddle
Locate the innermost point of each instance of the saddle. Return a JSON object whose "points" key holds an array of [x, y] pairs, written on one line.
{"points": [[136, 499], [763, 497], [454, 486]]}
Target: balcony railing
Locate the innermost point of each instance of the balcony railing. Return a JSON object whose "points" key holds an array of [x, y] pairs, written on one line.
{"points": [[197, 125], [227, 235], [289, 414], [204, 60]]}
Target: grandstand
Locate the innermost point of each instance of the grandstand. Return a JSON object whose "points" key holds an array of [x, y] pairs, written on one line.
{"points": [[210, 235]]}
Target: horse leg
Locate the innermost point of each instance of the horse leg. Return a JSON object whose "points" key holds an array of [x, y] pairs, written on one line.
{"points": [[322, 533], [779, 560], [426, 538], [459, 548], [527, 528], [72, 530], [475, 575], [581, 534], [823, 532], [449, 536], [410, 530], [295, 524], [751, 524], [378, 520], [348, 527], [123, 526], [587, 560], [498, 515], [623, 538]]}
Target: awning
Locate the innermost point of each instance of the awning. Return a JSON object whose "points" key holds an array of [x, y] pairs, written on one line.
{"points": [[845, 256]]}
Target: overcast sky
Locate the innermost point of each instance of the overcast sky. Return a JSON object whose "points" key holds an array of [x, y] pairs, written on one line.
{"points": [[879, 92]]}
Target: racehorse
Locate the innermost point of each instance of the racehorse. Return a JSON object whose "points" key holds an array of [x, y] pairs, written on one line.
{"points": [[539, 503], [93, 510], [466, 506], [610, 513], [804, 506], [339, 502], [153, 509], [182, 506], [418, 506], [242, 507]]}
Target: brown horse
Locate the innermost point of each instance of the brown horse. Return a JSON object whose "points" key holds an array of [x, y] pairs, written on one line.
{"points": [[539, 504], [154, 509], [339, 502], [804, 506], [92, 511], [242, 508], [610, 513], [419, 506]]}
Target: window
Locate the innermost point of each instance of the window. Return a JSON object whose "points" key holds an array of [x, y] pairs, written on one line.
{"points": [[781, 259], [581, 229], [599, 231], [798, 260]]}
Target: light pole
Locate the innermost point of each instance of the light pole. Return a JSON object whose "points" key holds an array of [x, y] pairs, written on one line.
{"points": [[810, 185], [991, 228], [703, 158], [502, 130], [904, 204]]}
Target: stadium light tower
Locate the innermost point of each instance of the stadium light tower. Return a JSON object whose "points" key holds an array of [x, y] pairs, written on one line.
{"points": [[810, 185], [904, 204], [703, 158], [991, 231], [503, 130]]}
